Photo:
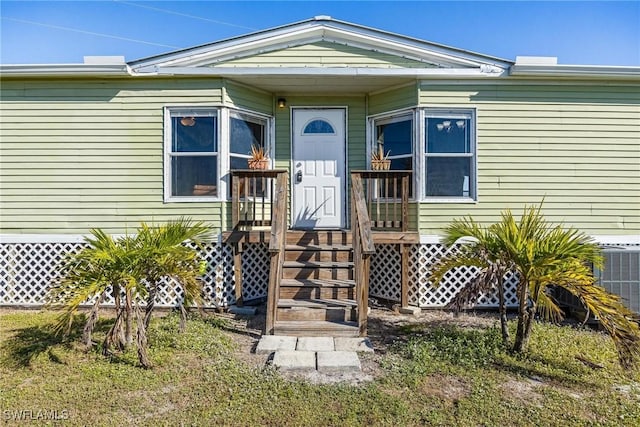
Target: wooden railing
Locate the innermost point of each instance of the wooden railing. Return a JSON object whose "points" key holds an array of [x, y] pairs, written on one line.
{"points": [[363, 248], [259, 199], [387, 198], [252, 193], [277, 242]]}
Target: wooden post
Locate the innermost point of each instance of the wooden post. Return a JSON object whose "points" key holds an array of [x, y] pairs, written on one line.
{"points": [[363, 313], [235, 201], [237, 271], [404, 275], [404, 249], [405, 202]]}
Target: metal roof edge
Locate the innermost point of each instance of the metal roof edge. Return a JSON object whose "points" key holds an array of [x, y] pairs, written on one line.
{"points": [[586, 71], [44, 70]]}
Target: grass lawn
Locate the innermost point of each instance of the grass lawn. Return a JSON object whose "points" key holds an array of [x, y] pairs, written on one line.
{"points": [[423, 374]]}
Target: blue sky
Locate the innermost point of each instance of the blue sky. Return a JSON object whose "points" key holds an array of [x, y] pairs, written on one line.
{"points": [[577, 32]]}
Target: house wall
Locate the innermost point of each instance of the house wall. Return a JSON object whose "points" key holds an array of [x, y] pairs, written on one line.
{"points": [[393, 99], [79, 154], [577, 145]]}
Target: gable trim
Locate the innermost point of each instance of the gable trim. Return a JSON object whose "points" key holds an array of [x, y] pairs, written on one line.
{"points": [[326, 72], [316, 30]]}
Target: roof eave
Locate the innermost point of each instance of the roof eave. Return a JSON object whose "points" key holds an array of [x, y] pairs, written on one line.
{"points": [[324, 72], [63, 70], [576, 71]]}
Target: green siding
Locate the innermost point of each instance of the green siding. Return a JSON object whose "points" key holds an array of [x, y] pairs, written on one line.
{"points": [[575, 145], [324, 54], [394, 99], [241, 96], [78, 154]]}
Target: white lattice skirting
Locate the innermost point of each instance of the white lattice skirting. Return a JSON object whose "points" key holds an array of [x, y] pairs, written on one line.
{"points": [[385, 278], [28, 270]]}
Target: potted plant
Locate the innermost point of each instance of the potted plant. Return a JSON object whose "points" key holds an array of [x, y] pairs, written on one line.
{"points": [[259, 159], [379, 160]]}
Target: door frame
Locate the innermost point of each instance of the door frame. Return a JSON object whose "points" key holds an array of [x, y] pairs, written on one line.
{"points": [[345, 185]]}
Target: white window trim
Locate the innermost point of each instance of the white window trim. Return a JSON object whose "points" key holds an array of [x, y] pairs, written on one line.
{"points": [[419, 115], [223, 114], [392, 117], [449, 112]]}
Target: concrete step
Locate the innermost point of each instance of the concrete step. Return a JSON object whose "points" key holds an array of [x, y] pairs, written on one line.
{"points": [[326, 362]]}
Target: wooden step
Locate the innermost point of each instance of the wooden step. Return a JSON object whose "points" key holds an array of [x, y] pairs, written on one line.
{"points": [[317, 264], [318, 237], [306, 314], [317, 288], [329, 273], [316, 310], [316, 303], [328, 283], [318, 247], [316, 329], [322, 255]]}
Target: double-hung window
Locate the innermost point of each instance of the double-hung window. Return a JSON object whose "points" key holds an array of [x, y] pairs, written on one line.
{"points": [[202, 144], [245, 131], [449, 151], [395, 135], [437, 145], [193, 154]]}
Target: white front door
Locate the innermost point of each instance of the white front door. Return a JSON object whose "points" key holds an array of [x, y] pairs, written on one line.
{"points": [[318, 173]]}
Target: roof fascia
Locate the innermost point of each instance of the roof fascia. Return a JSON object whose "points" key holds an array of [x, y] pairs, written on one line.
{"points": [[586, 71], [327, 72], [63, 70]]}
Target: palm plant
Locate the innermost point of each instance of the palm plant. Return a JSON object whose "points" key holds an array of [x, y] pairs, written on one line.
{"points": [[542, 255], [130, 269], [163, 255]]}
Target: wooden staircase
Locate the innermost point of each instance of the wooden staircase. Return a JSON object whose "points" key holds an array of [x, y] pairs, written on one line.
{"points": [[319, 280], [316, 292]]}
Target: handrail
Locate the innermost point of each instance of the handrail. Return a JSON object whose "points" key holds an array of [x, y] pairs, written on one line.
{"points": [[363, 248], [279, 214], [360, 214], [276, 247]]}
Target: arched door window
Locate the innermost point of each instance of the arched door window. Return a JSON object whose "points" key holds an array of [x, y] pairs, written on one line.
{"points": [[318, 126]]}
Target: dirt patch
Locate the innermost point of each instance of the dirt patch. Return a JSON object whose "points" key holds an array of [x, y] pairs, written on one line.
{"points": [[523, 390], [446, 387], [385, 327]]}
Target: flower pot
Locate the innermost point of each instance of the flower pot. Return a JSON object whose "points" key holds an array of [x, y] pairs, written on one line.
{"points": [[380, 165], [259, 164]]}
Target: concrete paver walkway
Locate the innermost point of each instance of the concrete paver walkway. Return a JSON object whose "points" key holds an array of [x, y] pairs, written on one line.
{"points": [[324, 354]]}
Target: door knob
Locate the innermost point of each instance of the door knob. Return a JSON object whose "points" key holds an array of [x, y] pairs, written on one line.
{"points": [[298, 176]]}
